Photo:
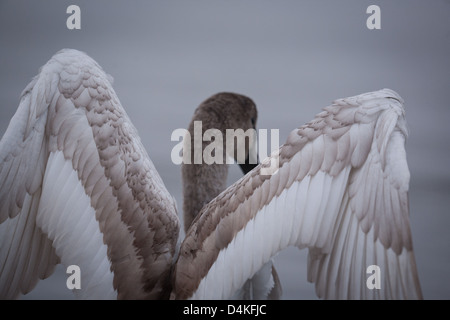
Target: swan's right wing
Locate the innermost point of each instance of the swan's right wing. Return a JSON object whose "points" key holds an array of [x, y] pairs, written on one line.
{"points": [[77, 187], [341, 190]]}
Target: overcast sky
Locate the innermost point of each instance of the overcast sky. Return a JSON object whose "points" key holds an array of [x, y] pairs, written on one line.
{"points": [[291, 57]]}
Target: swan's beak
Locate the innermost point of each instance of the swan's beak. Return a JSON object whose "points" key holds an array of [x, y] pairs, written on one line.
{"points": [[252, 160], [248, 165]]}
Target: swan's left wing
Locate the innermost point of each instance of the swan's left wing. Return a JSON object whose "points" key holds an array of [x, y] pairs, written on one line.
{"points": [[77, 186], [341, 190]]}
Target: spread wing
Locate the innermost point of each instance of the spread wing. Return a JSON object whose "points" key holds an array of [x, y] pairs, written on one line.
{"points": [[339, 187], [77, 187]]}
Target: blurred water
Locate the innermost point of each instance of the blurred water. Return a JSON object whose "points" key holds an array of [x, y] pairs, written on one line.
{"points": [[291, 57]]}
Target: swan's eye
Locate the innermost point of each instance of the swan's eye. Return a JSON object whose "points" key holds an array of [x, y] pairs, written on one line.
{"points": [[253, 122]]}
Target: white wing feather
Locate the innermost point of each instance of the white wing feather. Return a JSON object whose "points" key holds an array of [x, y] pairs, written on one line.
{"points": [[26, 254], [341, 191]]}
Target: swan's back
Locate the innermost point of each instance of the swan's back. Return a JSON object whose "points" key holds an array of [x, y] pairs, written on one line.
{"points": [[77, 186]]}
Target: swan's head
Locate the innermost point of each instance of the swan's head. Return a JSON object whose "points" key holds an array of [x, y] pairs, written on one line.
{"points": [[234, 116]]}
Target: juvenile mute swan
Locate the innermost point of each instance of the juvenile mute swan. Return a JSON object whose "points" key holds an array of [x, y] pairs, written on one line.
{"points": [[202, 182], [78, 188]]}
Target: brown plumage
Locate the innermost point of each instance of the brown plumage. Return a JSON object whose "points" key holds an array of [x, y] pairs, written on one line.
{"points": [[203, 182]]}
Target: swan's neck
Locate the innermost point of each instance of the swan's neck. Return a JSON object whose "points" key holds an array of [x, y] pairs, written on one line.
{"points": [[201, 184]]}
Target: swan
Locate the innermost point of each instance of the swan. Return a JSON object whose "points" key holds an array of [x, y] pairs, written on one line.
{"points": [[203, 182], [77, 187], [219, 112]]}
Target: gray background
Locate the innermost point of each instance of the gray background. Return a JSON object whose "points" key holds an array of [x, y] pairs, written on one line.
{"points": [[291, 57]]}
